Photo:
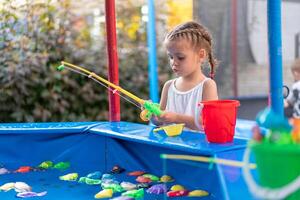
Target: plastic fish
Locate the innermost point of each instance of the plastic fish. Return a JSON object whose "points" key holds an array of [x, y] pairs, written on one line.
{"points": [[166, 179], [3, 171], [117, 169], [89, 181], [23, 169], [69, 177], [128, 186], [107, 176], [46, 165], [106, 193], [177, 188], [62, 165], [22, 187], [142, 179], [136, 173], [151, 176], [115, 187], [31, 194], [7, 186], [94, 175], [198, 193], [177, 193], [109, 181], [157, 189], [134, 193]]}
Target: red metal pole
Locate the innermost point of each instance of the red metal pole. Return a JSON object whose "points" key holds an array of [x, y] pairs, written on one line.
{"points": [[114, 100], [234, 47]]}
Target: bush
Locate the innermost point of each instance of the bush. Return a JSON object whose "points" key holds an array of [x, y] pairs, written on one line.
{"points": [[35, 37]]}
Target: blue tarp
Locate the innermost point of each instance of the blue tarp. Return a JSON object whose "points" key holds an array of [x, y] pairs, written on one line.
{"points": [[98, 146]]}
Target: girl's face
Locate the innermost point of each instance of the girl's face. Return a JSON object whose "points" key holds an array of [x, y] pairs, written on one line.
{"points": [[184, 60]]}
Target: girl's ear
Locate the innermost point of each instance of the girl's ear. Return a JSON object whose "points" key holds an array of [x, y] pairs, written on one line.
{"points": [[202, 54]]}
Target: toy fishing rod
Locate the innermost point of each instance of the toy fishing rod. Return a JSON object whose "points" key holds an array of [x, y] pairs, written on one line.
{"points": [[148, 108], [231, 163]]}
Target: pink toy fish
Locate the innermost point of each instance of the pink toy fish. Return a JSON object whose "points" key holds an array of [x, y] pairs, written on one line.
{"points": [[142, 179]]}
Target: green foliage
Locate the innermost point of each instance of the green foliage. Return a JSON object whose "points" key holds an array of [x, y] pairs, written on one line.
{"points": [[35, 37]]}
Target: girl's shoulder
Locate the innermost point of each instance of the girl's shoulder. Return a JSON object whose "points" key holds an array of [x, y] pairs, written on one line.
{"points": [[169, 83], [208, 82]]}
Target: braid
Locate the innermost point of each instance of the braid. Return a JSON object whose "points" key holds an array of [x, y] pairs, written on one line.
{"points": [[199, 38]]}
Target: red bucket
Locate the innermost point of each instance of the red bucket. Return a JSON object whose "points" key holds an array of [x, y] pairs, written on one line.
{"points": [[219, 119]]}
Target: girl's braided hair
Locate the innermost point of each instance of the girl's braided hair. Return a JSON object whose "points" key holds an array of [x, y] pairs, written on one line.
{"points": [[199, 38]]}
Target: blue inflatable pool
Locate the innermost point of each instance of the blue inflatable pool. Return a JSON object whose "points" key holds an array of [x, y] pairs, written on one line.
{"points": [[98, 146]]}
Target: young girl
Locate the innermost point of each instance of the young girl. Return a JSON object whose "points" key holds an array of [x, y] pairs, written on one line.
{"points": [[188, 46]]}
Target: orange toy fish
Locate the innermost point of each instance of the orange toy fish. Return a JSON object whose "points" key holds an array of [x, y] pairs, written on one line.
{"points": [[23, 169]]}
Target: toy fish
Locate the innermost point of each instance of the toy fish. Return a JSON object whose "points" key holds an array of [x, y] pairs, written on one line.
{"points": [[94, 175], [3, 171], [7, 186], [177, 188], [89, 181], [117, 169], [106, 193], [23, 169], [136, 173], [62, 165], [109, 181], [151, 176], [46, 165], [179, 193], [134, 193], [31, 194], [142, 179], [198, 193], [22, 187], [128, 186], [69, 177], [115, 187], [166, 179], [157, 189]]}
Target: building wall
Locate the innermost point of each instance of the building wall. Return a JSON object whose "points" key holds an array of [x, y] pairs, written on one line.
{"points": [[253, 79]]}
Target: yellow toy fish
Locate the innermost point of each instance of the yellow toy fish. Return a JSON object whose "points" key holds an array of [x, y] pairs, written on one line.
{"points": [[7, 186], [69, 177], [106, 193]]}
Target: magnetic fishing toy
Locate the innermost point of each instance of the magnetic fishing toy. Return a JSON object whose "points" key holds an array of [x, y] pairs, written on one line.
{"points": [[148, 108], [206, 159]]}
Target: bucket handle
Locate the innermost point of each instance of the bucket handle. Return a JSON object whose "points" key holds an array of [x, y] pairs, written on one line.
{"points": [[264, 192]]}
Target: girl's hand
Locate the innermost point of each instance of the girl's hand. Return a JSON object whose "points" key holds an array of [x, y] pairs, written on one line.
{"points": [[155, 120], [168, 117]]}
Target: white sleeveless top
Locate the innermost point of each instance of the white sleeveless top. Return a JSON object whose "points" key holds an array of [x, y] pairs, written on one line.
{"points": [[184, 102]]}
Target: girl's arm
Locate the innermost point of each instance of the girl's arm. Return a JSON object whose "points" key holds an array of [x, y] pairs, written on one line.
{"points": [[172, 117], [164, 95], [163, 102], [210, 91]]}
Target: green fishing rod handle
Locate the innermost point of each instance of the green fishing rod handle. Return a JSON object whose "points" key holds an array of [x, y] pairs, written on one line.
{"points": [[60, 67], [153, 108]]}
